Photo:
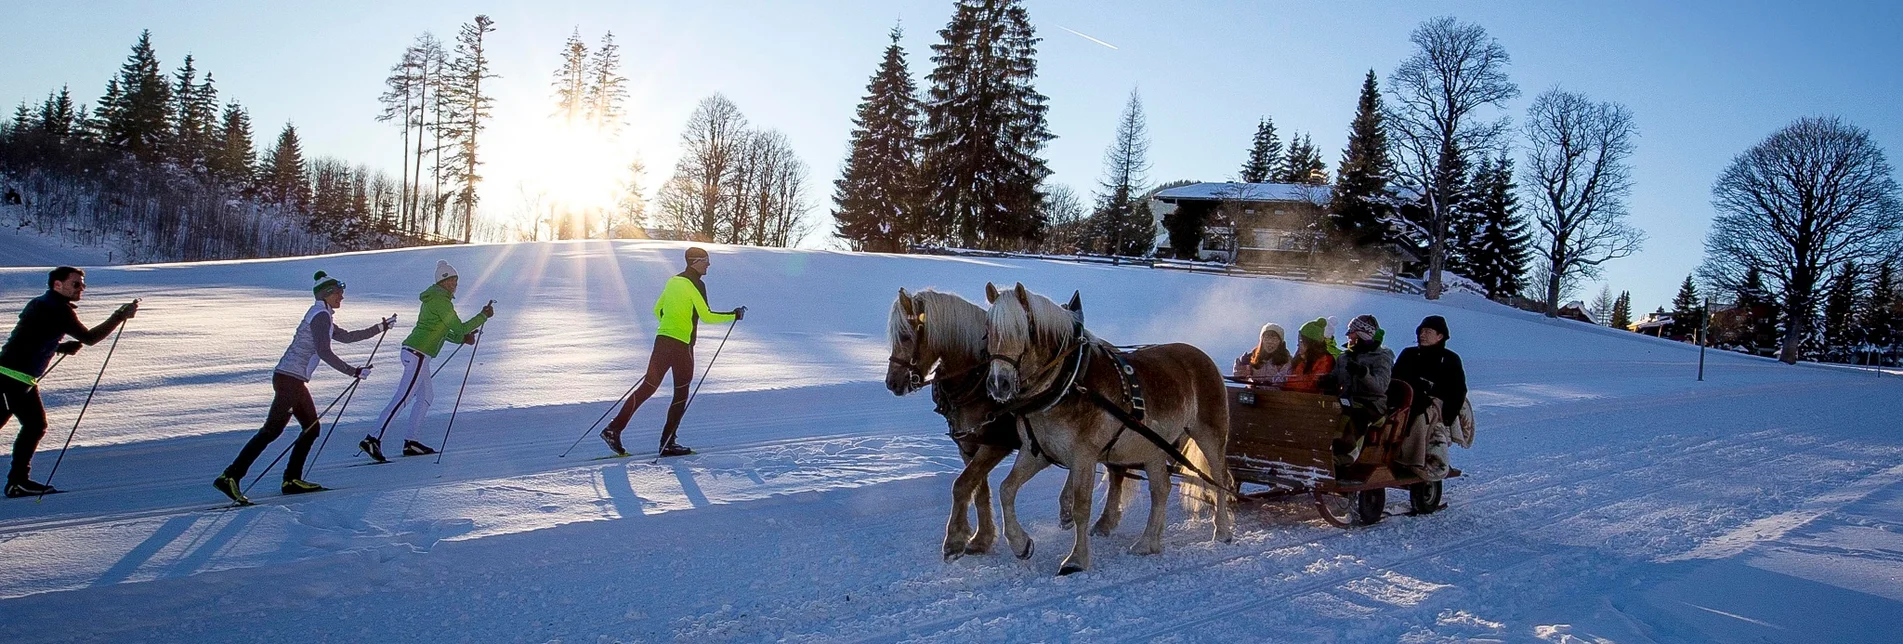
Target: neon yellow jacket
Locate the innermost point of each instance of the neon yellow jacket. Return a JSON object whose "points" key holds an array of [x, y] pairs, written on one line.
{"points": [[438, 322], [682, 304]]}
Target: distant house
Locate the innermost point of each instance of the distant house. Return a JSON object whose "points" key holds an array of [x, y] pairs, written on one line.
{"points": [[1576, 310], [1657, 323], [1265, 225]]}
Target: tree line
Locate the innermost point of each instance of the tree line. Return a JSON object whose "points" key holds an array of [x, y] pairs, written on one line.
{"points": [[436, 97]]}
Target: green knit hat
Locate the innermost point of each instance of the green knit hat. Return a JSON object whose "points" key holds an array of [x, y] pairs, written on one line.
{"points": [[1316, 329], [324, 283]]}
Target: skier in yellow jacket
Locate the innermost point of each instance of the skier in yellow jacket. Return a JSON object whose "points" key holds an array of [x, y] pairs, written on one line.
{"points": [[683, 304]]}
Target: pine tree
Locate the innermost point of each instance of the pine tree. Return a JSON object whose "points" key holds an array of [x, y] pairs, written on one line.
{"points": [[234, 161], [469, 106], [1500, 251], [1622, 311], [57, 116], [1761, 330], [1687, 309], [1303, 163], [607, 88], [1840, 333], [877, 193], [985, 127], [194, 135], [571, 81], [23, 120], [141, 112], [1265, 154], [282, 179], [1361, 204], [1126, 225], [1461, 207], [106, 114], [1878, 316], [1602, 305]]}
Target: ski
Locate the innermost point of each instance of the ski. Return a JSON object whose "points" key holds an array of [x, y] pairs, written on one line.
{"points": [[36, 494], [369, 463], [603, 458]]}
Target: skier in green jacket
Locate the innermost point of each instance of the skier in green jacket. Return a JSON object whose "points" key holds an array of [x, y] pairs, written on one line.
{"points": [[435, 324], [683, 304]]}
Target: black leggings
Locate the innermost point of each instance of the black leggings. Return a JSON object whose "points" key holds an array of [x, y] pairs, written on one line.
{"points": [[22, 401], [293, 398], [669, 355]]}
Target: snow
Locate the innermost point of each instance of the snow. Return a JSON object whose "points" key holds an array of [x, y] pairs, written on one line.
{"points": [[23, 246], [1609, 497], [1221, 191]]}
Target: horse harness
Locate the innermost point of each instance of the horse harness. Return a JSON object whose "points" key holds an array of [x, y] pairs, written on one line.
{"points": [[1130, 419], [948, 392]]}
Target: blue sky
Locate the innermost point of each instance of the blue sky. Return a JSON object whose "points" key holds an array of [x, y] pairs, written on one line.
{"points": [[1705, 79]]}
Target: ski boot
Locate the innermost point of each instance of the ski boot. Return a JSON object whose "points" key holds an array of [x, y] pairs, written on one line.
{"points": [[231, 489], [24, 488], [413, 448], [612, 436], [370, 445], [675, 449], [300, 486]]}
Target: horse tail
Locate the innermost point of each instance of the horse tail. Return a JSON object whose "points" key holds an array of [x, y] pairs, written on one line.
{"points": [[1207, 450], [1198, 497]]}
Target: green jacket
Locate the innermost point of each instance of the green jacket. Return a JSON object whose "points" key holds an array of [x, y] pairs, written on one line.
{"points": [[437, 322], [682, 304]]}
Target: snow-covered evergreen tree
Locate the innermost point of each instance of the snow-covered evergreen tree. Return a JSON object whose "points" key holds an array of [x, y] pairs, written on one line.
{"points": [[282, 178], [1265, 154], [985, 127], [1361, 204], [137, 110], [878, 191], [1841, 303], [1499, 252]]}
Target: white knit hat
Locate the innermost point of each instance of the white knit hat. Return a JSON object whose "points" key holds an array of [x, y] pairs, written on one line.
{"points": [[444, 270]]}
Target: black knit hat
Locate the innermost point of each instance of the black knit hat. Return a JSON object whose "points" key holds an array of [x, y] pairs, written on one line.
{"points": [[1434, 322]]}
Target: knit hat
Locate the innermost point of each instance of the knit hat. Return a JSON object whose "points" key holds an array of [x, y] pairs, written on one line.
{"points": [[696, 252], [324, 282], [1316, 329], [444, 270], [1434, 322], [1365, 324], [1273, 328]]}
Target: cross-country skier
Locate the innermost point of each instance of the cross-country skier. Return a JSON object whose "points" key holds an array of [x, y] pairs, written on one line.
{"points": [[291, 391], [435, 324], [43, 323], [683, 304]]}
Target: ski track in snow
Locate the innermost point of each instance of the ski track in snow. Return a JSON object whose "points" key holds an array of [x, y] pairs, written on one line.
{"points": [[1609, 496]]}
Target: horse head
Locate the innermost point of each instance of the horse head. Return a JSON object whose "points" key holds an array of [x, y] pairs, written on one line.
{"points": [[1026, 334], [905, 369], [928, 329]]}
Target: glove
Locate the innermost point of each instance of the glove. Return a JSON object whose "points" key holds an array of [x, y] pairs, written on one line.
{"points": [[389, 323], [470, 338], [489, 310], [127, 310], [363, 372], [740, 314], [70, 347]]}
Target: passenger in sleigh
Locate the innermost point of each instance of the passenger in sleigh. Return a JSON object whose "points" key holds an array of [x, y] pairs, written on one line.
{"points": [[1314, 359], [1268, 364], [1440, 399], [1361, 378]]}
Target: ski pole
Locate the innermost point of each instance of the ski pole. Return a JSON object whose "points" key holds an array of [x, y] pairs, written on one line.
{"points": [[341, 395], [604, 416], [352, 393], [446, 359], [710, 367], [82, 408], [459, 396]]}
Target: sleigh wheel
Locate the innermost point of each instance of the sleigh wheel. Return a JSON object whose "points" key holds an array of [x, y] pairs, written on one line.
{"points": [[1337, 509], [1424, 497], [1371, 505]]}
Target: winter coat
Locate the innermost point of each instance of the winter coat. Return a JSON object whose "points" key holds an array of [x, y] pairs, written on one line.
{"points": [[1361, 376], [1434, 373], [312, 343], [682, 305], [43, 323], [438, 322], [1263, 371], [1307, 377]]}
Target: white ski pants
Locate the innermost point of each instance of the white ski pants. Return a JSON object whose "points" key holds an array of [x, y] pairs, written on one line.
{"points": [[415, 389]]}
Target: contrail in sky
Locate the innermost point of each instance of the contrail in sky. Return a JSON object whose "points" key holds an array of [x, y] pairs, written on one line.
{"points": [[1086, 36]]}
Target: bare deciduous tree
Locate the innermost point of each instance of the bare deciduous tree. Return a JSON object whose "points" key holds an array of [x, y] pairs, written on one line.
{"points": [[1434, 115], [1814, 195], [1579, 177], [690, 201]]}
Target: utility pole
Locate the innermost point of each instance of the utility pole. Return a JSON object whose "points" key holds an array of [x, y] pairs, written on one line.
{"points": [[1704, 336]]}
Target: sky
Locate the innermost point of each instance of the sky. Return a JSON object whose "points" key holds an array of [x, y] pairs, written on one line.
{"points": [[1705, 80]]}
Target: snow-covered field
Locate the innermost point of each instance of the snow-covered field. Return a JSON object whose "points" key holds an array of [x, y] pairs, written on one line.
{"points": [[1610, 496]]}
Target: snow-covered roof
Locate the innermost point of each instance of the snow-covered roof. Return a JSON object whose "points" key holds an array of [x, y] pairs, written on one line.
{"points": [[1247, 192]]}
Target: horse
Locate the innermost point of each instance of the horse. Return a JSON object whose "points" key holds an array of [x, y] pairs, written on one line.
{"points": [[1045, 366], [931, 328]]}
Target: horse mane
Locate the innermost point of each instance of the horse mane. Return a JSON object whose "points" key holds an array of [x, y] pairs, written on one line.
{"points": [[952, 323], [1010, 318]]}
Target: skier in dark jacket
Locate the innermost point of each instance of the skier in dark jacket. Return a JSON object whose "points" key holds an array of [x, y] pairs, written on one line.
{"points": [[291, 391], [1361, 378], [681, 307], [44, 322], [1433, 371]]}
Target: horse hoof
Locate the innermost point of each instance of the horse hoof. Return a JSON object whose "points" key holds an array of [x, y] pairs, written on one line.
{"points": [[1030, 546], [977, 548], [1069, 569], [1066, 524], [953, 555]]}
